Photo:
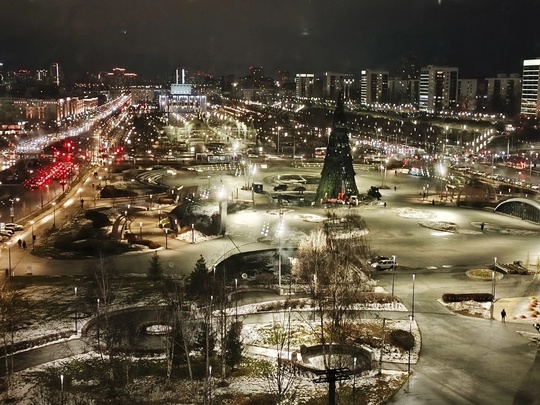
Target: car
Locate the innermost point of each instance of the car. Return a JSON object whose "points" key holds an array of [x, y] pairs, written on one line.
{"points": [[384, 264], [7, 230], [5, 235], [280, 187], [14, 227], [377, 258]]}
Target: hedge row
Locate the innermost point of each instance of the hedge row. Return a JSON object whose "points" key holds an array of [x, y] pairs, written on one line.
{"points": [[478, 297], [28, 344]]}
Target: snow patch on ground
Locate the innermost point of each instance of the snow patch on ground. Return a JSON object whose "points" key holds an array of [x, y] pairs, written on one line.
{"points": [[414, 213], [469, 308]]}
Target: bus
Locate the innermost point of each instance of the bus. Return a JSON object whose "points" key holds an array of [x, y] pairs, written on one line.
{"points": [[320, 153]]}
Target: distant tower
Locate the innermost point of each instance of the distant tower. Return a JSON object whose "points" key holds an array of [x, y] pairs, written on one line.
{"points": [[56, 73], [337, 176]]}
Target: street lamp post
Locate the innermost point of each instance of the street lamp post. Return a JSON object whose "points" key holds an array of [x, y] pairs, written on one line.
{"points": [[412, 307], [279, 231], [140, 230], [192, 233], [210, 385], [354, 381], [493, 278], [98, 325], [33, 235], [62, 389], [236, 299], [393, 273], [493, 168], [9, 259], [443, 173], [166, 238], [12, 208], [410, 333], [76, 312], [54, 214]]}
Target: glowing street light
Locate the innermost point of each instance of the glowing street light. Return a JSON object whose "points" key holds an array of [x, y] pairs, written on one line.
{"points": [[443, 174], [12, 208]]}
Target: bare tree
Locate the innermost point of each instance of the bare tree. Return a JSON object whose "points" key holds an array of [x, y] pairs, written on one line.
{"points": [[12, 307], [331, 260], [282, 376], [183, 326], [104, 289]]}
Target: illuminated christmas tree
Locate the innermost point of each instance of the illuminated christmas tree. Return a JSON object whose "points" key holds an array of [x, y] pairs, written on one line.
{"points": [[337, 176]]}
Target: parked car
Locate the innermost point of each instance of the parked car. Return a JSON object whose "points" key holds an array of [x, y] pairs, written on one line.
{"points": [[377, 258], [7, 230], [5, 234], [14, 227], [384, 264]]}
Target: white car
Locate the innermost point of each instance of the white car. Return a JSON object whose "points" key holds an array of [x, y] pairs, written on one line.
{"points": [[384, 264], [14, 227]]}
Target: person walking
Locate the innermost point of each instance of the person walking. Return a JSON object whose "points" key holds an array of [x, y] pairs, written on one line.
{"points": [[503, 315], [24, 244], [19, 242]]}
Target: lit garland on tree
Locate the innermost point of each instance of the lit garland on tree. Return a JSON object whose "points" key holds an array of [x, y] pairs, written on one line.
{"points": [[337, 176]]}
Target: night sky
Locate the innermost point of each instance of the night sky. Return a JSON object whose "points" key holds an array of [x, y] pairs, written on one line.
{"points": [[153, 37]]}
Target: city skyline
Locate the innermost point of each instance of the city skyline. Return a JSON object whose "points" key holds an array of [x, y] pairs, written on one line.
{"points": [[480, 37]]}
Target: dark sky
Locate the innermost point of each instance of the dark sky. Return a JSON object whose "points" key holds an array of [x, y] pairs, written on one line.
{"points": [[153, 37]]}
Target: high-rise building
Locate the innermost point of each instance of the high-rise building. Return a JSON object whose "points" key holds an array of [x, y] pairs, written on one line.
{"points": [[42, 75], [530, 90], [468, 90], [397, 91], [438, 88], [56, 74], [304, 85], [284, 77], [374, 86], [503, 92], [409, 67], [334, 84]]}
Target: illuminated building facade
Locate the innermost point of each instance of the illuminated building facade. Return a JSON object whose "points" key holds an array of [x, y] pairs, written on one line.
{"points": [[373, 86], [530, 90], [438, 88], [304, 85], [180, 99]]}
